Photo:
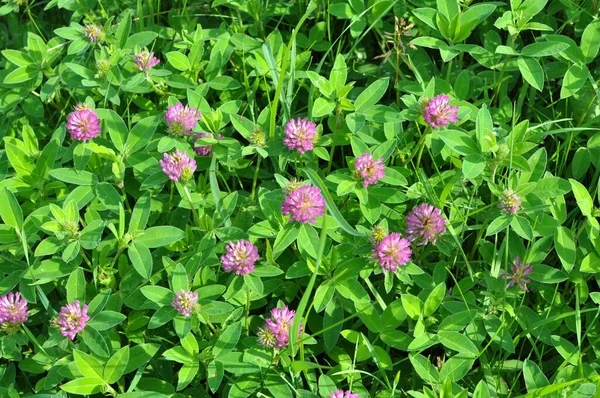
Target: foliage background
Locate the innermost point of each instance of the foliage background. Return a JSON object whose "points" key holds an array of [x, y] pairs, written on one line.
{"points": [[525, 76]]}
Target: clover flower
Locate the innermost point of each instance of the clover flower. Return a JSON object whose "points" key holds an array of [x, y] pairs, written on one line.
{"points": [[145, 60], [240, 257], [83, 123], [369, 170], [185, 302], [93, 33], [72, 319], [304, 204], [510, 202], [438, 113], [204, 150], [424, 224], [394, 250], [279, 324], [520, 271], [178, 166], [181, 120], [266, 337], [300, 135], [13, 309], [342, 394]]}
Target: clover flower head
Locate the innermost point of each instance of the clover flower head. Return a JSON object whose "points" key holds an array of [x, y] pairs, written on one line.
{"points": [[510, 202], [300, 135], [280, 323], [424, 224], [178, 166], [240, 257], [93, 33], [72, 319], [185, 302], [304, 204], [438, 113], [83, 123], [367, 170], [392, 251], [145, 60], [181, 120], [342, 394], [520, 271], [13, 309], [204, 150]]}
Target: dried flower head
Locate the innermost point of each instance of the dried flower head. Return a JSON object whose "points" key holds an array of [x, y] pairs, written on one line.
{"points": [[520, 271], [304, 204], [424, 223], [178, 166], [13, 309], [181, 120], [83, 124], [93, 32], [438, 113], [393, 251], [145, 60], [204, 150], [367, 170], [185, 302], [401, 28], [240, 257], [72, 319], [300, 135], [510, 202], [342, 394], [280, 323]]}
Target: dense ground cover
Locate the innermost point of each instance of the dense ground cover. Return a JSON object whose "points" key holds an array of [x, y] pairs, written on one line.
{"points": [[304, 198]]}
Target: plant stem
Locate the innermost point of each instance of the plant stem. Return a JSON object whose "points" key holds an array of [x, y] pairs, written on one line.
{"points": [[191, 202]]}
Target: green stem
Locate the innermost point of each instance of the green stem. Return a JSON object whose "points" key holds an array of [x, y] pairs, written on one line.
{"points": [[191, 202], [255, 178]]}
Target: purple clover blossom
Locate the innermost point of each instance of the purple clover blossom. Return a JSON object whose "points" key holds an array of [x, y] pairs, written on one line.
{"points": [[520, 271], [280, 323], [185, 302], [342, 394], [392, 251], [83, 123], [304, 204], [300, 135], [13, 309], [205, 150], [438, 113], [72, 319], [145, 60], [181, 120], [369, 170], [178, 166], [510, 202], [240, 257], [93, 33], [424, 223]]}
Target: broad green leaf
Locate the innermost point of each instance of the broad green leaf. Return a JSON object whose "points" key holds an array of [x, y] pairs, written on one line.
{"points": [[228, 340], [179, 279], [459, 343], [533, 375], [158, 294], [412, 305], [116, 365], [434, 299], [544, 48], [583, 197], [162, 316], [10, 211], [574, 79], [95, 341], [371, 95], [21, 75], [141, 213], [140, 355], [84, 386], [339, 73], [164, 235], [215, 372], [72, 176], [286, 236], [564, 243], [485, 130], [532, 72], [141, 134], [458, 141], [106, 320], [141, 259], [87, 364], [424, 368], [186, 374], [322, 107], [551, 187], [178, 60], [76, 286], [590, 41]]}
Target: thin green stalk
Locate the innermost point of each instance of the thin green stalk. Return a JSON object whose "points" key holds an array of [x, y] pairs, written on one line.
{"points": [[255, 178], [191, 202]]}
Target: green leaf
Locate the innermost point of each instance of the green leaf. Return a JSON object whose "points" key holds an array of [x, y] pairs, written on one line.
{"points": [[286, 236], [10, 211], [84, 386], [160, 236], [87, 364], [522, 227], [179, 279], [485, 130], [117, 129], [424, 368], [317, 181], [338, 74], [533, 375], [371, 95], [141, 39], [76, 286], [141, 259], [108, 196], [434, 299], [583, 197], [574, 79], [473, 165], [564, 244], [412, 305], [591, 263], [95, 341], [460, 142], [448, 8], [459, 343], [215, 372], [551, 187], [141, 134], [158, 294], [141, 213], [590, 41], [116, 365], [21, 75], [322, 107], [162, 316], [178, 60], [140, 355], [72, 176], [545, 274], [544, 49], [186, 374], [254, 283], [106, 320], [352, 290], [532, 72], [227, 341]]}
